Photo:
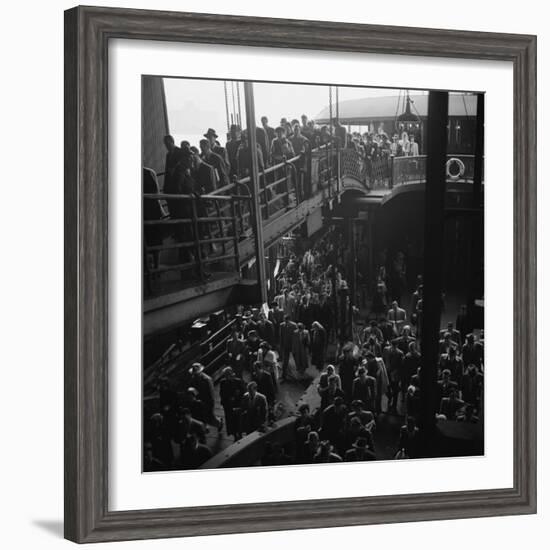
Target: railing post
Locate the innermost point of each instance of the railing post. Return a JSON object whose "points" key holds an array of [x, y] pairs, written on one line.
{"points": [[235, 236], [338, 168], [196, 236], [328, 168], [307, 164], [287, 185], [390, 183], [220, 225], [264, 209]]}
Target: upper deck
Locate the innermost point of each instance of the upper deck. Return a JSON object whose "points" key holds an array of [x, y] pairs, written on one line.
{"points": [[219, 249]]}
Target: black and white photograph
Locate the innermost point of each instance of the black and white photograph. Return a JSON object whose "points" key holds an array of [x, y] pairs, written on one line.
{"points": [[313, 273]]}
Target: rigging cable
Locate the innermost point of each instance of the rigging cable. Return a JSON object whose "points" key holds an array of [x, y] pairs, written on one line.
{"points": [[396, 111], [239, 103], [226, 105], [330, 107], [234, 116]]}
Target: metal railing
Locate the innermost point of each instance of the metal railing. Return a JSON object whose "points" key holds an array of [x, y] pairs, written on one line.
{"points": [[174, 363], [387, 172], [326, 169], [202, 233]]}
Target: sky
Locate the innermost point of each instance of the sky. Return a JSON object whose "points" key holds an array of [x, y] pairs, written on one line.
{"points": [[195, 105]]}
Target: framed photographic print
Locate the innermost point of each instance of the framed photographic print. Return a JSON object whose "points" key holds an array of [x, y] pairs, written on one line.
{"points": [[300, 274]]}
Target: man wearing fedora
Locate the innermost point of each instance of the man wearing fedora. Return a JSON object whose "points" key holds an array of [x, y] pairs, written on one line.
{"points": [[231, 148], [231, 395], [254, 409], [212, 138], [216, 161], [205, 387], [173, 158]]}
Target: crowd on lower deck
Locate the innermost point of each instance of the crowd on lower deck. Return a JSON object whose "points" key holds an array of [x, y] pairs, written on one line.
{"points": [[370, 368]]}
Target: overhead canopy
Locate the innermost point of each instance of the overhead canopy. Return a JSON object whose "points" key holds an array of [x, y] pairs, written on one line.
{"points": [[372, 109]]}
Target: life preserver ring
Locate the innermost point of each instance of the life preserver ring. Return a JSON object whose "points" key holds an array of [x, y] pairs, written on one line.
{"points": [[455, 168]]}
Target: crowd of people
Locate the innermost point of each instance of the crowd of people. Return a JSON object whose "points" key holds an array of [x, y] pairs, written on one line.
{"points": [[367, 364], [374, 369], [209, 166]]}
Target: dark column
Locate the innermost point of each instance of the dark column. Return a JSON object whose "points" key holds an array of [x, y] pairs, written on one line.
{"points": [[352, 275], [434, 220], [479, 143], [255, 190], [475, 282]]}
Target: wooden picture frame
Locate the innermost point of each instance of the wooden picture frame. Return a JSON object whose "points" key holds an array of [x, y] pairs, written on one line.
{"points": [[87, 34]]}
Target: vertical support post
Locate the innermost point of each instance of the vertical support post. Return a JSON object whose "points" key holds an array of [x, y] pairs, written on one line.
{"points": [[287, 185], [476, 219], [235, 236], [197, 238], [391, 171], [328, 168], [370, 226], [255, 188], [220, 225], [479, 142], [434, 221], [307, 175], [338, 168], [353, 273]]}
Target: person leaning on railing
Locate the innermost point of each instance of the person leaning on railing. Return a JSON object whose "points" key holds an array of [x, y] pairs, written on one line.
{"points": [[207, 179], [281, 150], [152, 210], [281, 147], [216, 161], [244, 159], [181, 182], [300, 144], [232, 146]]}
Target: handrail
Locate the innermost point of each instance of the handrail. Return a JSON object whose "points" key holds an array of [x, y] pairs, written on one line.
{"points": [[179, 196], [203, 236], [221, 219]]}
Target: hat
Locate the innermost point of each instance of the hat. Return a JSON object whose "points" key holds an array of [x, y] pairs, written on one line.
{"points": [[227, 371], [196, 367], [360, 443], [210, 132]]}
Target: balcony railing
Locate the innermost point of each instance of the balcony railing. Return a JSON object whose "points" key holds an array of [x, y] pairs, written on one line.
{"points": [[204, 236], [200, 235], [387, 172]]}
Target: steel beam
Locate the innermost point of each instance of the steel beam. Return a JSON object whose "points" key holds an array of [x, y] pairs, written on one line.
{"points": [[255, 191], [434, 221]]}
